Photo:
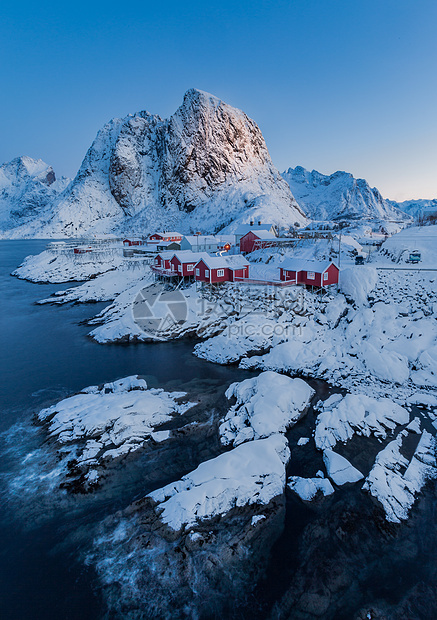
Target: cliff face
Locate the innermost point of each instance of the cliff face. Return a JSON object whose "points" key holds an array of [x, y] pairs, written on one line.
{"points": [[201, 169], [339, 196]]}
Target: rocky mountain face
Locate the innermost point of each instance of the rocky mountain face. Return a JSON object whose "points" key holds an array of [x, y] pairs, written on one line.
{"points": [[339, 196], [28, 188], [204, 168]]}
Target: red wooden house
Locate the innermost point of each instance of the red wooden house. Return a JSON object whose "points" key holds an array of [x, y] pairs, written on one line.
{"points": [[162, 260], [183, 263], [130, 242], [256, 240], [309, 272], [164, 237], [216, 269]]}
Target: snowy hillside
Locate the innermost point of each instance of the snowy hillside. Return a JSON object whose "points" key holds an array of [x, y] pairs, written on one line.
{"points": [[416, 208], [27, 188], [202, 168], [338, 196]]}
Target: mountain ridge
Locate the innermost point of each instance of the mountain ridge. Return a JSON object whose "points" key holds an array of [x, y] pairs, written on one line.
{"points": [[339, 196]]}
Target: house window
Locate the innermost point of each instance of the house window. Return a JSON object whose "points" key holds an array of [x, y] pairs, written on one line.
{"points": [[172, 267], [190, 267], [197, 272], [311, 275], [180, 268], [206, 273], [325, 276], [220, 273]]}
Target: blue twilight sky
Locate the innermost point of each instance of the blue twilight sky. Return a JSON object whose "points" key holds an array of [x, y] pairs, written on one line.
{"points": [[333, 84]]}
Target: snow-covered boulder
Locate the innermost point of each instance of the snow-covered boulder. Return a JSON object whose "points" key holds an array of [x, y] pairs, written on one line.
{"points": [[308, 488], [342, 417], [267, 404], [395, 482], [339, 469], [358, 282], [252, 473]]}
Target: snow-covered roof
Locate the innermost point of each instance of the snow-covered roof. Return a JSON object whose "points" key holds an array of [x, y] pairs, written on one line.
{"points": [[244, 228], [166, 254], [263, 234], [187, 256], [222, 262], [201, 239], [299, 264], [171, 233]]}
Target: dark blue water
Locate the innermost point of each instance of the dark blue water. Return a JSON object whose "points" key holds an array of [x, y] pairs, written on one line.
{"points": [[45, 355]]}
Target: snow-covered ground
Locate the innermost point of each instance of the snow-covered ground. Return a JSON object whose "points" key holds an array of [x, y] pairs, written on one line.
{"points": [[395, 251]]}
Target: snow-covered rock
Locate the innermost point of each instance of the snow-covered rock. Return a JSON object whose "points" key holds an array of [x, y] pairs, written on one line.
{"points": [[395, 482], [339, 469], [308, 488], [252, 473], [104, 423], [27, 189], [338, 196], [267, 404], [342, 417], [357, 284], [56, 266]]}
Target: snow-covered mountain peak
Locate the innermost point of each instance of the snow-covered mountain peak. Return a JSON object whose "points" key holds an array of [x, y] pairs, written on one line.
{"points": [[338, 196], [201, 169], [27, 188]]}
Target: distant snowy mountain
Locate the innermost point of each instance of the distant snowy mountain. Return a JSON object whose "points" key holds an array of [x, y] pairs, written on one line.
{"points": [[338, 196], [28, 188], [201, 169], [416, 208]]}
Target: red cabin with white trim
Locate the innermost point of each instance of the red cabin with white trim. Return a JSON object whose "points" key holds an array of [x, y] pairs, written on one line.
{"points": [[256, 240], [215, 269], [130, 242], [162, 260], [165, 237], [310, 273], [183, 263]]}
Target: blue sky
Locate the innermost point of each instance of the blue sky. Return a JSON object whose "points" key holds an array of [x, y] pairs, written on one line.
{"points": [[333, 84]]}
